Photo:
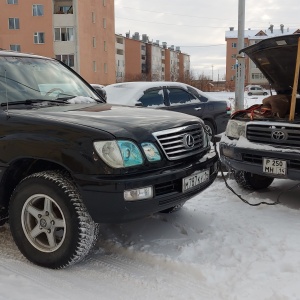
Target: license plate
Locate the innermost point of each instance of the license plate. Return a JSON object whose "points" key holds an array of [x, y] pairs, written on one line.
{"points": [[194, 180], [274, 166]]}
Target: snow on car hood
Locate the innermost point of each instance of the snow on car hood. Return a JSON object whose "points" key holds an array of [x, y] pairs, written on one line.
{"points": [[276, 58]]}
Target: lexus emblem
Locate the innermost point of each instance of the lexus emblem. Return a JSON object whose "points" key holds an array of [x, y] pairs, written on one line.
{"points": [[188, 141], [278, 135]]}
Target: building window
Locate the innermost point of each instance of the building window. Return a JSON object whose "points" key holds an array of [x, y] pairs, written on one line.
{"points": [[93, 17], [13, 23], [39, 37], [120, 40], [233, 56], [104, 46], [94, 42], [37, 10], [65, 10], [104, 2], [64, 34], [104, 23], [15, 48], [258, 76], [143, 47], [105, 68], [120, 51], [233, 45], [68, 59], [12, 1], [94, 66]]}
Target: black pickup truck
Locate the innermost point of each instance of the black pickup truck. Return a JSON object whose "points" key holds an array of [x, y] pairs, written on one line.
{"points": [[259, 148], [69, 161]]}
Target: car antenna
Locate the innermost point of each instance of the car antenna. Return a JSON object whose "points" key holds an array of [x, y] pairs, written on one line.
{"points": [[6, 97]]}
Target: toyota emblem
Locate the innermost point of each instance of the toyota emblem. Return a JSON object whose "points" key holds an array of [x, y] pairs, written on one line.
{"points": [[188, 141], [278, 135]]}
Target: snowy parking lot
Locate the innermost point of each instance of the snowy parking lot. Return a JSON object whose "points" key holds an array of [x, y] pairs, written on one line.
{"points": [[215, 247]]}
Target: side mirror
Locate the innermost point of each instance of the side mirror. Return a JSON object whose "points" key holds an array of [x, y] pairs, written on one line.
{"points": [[101, 92]]}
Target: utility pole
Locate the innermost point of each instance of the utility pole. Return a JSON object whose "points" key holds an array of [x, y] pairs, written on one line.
{"points": [[212, 72], [240, 66]]}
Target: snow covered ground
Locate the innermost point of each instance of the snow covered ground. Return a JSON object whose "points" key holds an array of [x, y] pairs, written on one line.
{"points": [[215, 247]]}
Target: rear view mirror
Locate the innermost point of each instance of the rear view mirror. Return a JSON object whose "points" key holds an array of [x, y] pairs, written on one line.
{"points": [[101, 92]]}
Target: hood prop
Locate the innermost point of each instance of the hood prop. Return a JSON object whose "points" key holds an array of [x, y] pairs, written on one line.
{"points": [[296, 78]]}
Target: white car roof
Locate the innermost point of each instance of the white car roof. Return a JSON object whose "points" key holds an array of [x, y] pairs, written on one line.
{"points": [[129, 92]]}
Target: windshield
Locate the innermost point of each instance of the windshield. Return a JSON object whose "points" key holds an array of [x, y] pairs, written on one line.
{"points": [[23, 79]]}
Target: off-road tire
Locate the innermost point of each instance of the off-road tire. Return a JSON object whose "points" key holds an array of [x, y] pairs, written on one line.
{"points": [[73, 234], [251, 181]]}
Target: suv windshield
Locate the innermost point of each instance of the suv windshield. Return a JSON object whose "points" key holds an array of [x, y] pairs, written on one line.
{"points": [[24, 78]]}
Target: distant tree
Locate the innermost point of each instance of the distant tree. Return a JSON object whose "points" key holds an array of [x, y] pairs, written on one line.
{"points": [[201, 82], [136, 77]]}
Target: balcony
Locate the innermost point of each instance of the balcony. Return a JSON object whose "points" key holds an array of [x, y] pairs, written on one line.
{"points": [[63, 7]]}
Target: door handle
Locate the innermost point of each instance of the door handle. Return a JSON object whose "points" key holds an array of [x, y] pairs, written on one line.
{"points": [[197, 108]]}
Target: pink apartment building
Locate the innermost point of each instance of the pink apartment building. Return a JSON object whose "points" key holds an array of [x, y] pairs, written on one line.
{"points": [[252, 73], [81, 33]]}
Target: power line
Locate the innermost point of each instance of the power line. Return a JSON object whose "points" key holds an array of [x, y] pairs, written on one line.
{"points": [[197, 17], [171, 24], [168, 13]]}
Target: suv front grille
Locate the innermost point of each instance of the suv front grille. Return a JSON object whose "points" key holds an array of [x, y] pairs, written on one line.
{"points": [[180, 142], [274, 133]]}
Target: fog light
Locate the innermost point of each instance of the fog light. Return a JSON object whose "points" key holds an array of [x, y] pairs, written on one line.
{"points": [[139, 194], [231, 154], [228, 152]]}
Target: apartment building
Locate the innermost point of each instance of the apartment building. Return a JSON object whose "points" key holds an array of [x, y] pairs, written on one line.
{"points": [[80, 33], [146, 60], [252, 73], [120, 58], [135, 58]]}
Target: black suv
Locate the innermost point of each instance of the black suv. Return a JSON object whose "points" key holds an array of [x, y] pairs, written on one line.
{"points": [[70, 161]]}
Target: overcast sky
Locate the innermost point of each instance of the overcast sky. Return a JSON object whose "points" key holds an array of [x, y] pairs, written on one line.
{"points": [[198, 27]]}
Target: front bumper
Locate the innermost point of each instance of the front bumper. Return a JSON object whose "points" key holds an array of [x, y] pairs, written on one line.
{"points": [[104, 197], [250, 159]]}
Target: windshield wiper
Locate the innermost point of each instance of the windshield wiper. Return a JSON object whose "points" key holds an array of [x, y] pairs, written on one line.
{"points": [[33, 101]]}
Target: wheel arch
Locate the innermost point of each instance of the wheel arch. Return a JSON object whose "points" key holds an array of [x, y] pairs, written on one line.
{"points": [[18, 170], [212, 121]]}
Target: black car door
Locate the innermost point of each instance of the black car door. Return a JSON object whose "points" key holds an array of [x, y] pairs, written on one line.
{"points": [[182, 101]]}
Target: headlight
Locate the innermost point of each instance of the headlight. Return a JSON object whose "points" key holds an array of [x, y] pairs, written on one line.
{"points": [[235, 129], [119, 154], [151, 152]]}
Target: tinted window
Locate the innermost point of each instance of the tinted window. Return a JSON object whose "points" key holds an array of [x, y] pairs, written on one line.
{"points": [[179, 96], [197, 95], [152, 98]]}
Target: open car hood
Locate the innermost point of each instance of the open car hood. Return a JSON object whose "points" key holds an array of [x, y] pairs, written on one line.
{"points": [[276, 59]]}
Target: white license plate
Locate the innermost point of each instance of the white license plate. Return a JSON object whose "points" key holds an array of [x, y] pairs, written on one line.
{"points": [[194, 180], [274, 166]]}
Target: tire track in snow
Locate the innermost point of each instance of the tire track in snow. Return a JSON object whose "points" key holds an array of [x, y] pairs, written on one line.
{"points": [[163, 276]]}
